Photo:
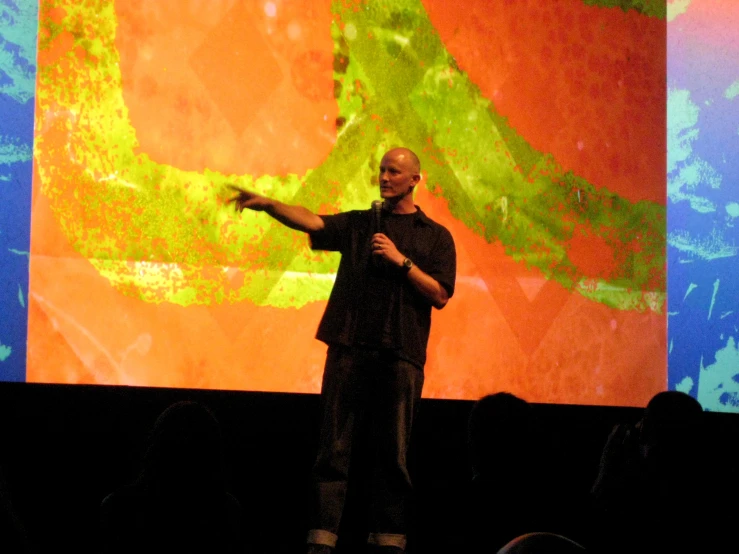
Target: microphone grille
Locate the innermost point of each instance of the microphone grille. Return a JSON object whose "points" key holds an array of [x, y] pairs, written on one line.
{"points": [[377, 205]]}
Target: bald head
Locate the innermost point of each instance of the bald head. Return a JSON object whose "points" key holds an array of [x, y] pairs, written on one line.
{"points": [[398, 176], [407, 155]]}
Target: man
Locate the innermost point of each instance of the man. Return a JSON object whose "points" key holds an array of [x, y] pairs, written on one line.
{"points": [[396, 264]]}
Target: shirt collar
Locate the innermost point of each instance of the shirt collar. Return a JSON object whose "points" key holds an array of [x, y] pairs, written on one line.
{"points": [[422, 217]]}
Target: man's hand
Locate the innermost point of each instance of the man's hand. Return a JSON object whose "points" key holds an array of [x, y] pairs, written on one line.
{"points": [[247, 200], [383, 247], [429, 287]]}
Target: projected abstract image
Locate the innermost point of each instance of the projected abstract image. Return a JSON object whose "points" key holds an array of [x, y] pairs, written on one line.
{"points": [[541, 132], [18, 25], [703, 169]]}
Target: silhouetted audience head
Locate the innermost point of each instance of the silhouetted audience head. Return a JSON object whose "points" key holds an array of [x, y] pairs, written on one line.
{"points": [[670, 427], [648, 496], [517, 485], [179, 501], [542, 543], [185, 451], [13, 536], [501, 432]]}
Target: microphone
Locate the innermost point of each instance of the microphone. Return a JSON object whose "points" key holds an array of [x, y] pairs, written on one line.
{"points": [[376, 228], [377, 215]]}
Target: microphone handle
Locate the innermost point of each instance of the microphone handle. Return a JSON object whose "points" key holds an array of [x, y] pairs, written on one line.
{"points": [[377, 228]]}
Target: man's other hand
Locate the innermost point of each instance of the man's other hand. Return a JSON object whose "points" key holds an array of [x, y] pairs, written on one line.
{"points": [[247, 200]]}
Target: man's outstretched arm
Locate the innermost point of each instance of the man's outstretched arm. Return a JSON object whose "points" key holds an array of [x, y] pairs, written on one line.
{"points": [[295, 217]]}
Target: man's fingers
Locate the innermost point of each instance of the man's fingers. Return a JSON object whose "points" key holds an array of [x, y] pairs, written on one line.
{"points": [[235, 188], [242, 198]]}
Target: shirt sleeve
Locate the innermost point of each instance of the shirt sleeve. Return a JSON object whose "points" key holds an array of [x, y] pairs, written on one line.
{"points": [[443, 267], [335, 233]]}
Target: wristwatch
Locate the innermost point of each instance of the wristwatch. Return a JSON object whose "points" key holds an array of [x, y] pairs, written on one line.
{"points": [[407, 264]]}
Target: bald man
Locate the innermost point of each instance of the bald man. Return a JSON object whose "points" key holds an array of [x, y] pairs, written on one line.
{"points": [[396, 265]]}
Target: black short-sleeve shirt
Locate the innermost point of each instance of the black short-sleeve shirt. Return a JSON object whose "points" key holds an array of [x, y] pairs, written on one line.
{"points": [[372, 304]]}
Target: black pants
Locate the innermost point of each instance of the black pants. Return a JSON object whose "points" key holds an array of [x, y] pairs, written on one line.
{"points": [[375, 384]]}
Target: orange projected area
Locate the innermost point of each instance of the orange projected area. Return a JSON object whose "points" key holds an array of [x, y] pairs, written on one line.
{"points": [[568, 87], [253, 93], [142, 275]]}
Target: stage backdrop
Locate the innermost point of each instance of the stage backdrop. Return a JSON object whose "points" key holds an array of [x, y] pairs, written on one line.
{"points": [[541, 129]]}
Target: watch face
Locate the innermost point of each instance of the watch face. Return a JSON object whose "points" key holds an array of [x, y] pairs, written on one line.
{"points": [[407, 263]]}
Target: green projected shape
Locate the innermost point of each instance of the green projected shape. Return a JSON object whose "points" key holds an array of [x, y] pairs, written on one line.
{"points": [[652, 8], [163, 234]]}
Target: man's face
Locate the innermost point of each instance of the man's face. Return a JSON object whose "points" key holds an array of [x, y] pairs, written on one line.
{"points": [[397, 175]]}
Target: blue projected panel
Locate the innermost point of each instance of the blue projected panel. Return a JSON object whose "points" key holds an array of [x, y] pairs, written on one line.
{"points": [[18, 28], [703, 201]]}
